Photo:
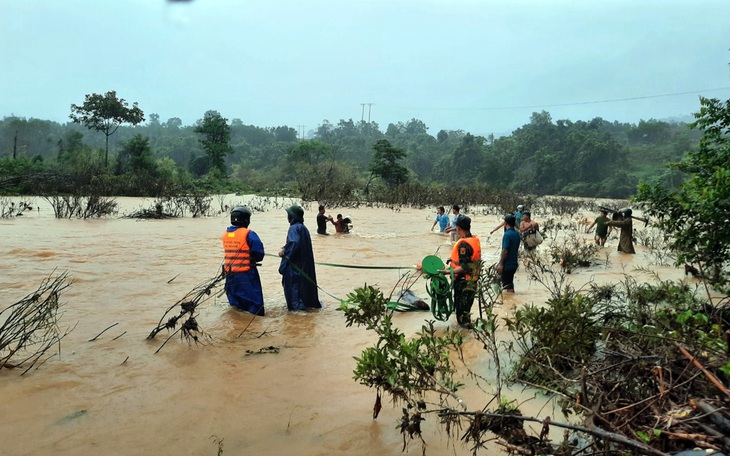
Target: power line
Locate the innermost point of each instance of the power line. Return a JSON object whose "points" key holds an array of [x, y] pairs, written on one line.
{"points": [[579, 103], [616, 99]]}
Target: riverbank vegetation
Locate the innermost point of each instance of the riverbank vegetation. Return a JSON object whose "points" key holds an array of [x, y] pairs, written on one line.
{"points": [[111, 149]]}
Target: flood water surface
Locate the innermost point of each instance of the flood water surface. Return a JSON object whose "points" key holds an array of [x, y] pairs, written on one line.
{"points": [[280, 384]]}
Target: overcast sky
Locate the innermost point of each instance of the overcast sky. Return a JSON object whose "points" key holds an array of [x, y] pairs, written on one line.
{"points": [[482, 66]]}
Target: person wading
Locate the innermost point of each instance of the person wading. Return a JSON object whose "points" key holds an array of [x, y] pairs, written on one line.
{"points": [[298, 276], [243, 249], [465, 264]]}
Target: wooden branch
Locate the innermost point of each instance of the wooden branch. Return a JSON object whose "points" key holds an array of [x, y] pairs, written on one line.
{"points": [[108, 328], [709, 374], [641, 447]]}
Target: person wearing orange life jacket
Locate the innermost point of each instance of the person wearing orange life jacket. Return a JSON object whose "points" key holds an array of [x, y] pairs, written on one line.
{"points": [[242, 250], [465, 263]]}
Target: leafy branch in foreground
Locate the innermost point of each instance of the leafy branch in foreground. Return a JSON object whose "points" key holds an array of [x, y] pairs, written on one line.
{"points": [[694, 215], [408, 370], [30, 326], [642, 361], [412, 371]]}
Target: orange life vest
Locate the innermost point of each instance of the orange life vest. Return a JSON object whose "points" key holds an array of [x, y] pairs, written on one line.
{"points": [[476, 247], [237, 253]]}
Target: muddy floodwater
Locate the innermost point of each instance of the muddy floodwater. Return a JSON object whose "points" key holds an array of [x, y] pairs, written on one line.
{"points": [[115, 396]]}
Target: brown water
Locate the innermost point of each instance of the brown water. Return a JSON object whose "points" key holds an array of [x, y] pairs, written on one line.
{"points": [[115, 396]]}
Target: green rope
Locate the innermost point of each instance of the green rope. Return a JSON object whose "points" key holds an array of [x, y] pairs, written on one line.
{"points": [[438, 288], [352, 266]]}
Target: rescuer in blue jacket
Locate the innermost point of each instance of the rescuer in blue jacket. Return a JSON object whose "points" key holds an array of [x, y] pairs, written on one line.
{"points": [[298, 276], [243, 249]]}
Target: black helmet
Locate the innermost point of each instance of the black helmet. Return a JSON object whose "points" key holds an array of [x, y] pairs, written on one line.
{"points": [[240, 215], [626, 212], [463, 222]]}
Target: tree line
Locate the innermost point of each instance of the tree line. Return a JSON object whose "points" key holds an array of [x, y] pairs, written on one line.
{"points": [[128, 153]]}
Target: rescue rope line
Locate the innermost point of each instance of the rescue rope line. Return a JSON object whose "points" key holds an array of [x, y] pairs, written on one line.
{"points": [[438, 286], [352, 266]]}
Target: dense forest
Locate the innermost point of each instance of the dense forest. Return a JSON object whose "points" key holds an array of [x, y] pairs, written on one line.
{"points": [[140, 156]]}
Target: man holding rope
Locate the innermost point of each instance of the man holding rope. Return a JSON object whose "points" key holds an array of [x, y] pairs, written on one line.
{"points": [[465, 258]]}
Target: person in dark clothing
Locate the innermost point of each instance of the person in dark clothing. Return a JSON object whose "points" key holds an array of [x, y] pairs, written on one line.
{"points": [[508, 260], [243, 249], [298, 276], [465, 263], [322, 221], [622, 219]]}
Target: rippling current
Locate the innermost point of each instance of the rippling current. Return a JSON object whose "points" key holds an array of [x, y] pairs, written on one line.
{"points": [[114, 395]]}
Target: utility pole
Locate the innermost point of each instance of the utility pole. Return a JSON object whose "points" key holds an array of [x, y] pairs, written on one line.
{"points": [[369, 107], [362, 117], [301, 130]]}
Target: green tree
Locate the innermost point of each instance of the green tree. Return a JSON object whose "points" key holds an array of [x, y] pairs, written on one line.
{"points": [[310, 165], [695, 215], [386, 163], [105, 113], [216, 140], [468, 158], [136, 157]]}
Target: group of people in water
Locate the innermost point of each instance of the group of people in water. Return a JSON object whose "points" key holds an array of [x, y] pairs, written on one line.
{"points": [[519, 228], [243, 250], [342, 225]]}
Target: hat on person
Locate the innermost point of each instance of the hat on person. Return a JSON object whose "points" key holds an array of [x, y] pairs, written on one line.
{"points": [[510, 220], [520, 207], [295, 212], [463, 222], [239, 215]]}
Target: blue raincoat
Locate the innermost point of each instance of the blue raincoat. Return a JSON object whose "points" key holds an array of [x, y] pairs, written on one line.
{"points": [[298, 276], [244, 288]]}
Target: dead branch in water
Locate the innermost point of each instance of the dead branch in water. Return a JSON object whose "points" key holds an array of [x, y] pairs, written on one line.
{"points": [[189, 329], [30, 326], [107, 328]]}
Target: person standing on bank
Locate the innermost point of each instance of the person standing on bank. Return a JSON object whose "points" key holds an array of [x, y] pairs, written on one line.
{"points": [[322, 221], [442, 218], [465, 263], [452, 228], [622, 219], [508, 263], [298, 276], [243, 249]]}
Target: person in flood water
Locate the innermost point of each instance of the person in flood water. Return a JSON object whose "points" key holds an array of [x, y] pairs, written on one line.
{"points": [[602, 229], [342, 225], [243, 249], [322, 220], [298, 276], [622, 219], [508, 259], [465, 262]]}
